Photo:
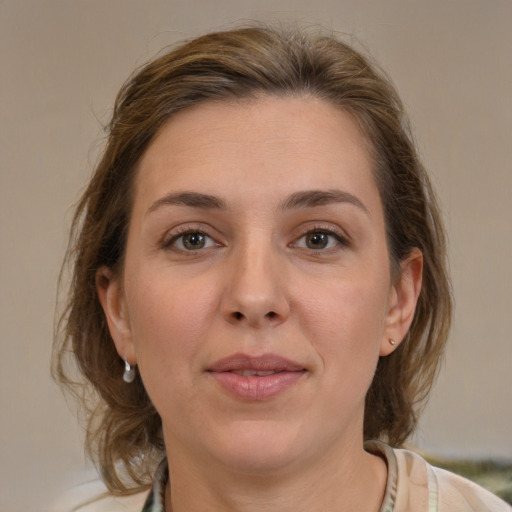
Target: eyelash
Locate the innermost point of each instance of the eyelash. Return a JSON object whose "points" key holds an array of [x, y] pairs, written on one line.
{"points": [[169, 243], [340, 238]]}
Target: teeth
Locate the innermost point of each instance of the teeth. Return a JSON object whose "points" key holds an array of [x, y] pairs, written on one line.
{"points": [[251, 373]]}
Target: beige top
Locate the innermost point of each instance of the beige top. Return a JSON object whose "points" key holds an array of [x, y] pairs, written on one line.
{"points": [[413, 486], [416, 486]]}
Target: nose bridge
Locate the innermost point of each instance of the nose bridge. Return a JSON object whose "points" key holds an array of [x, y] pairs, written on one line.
{"points": [[255, 293]]}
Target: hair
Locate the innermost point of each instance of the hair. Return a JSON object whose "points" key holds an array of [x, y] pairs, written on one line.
{"points": [[124, 430]]}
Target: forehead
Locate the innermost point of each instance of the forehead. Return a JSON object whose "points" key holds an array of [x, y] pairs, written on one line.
{"points": [[265, 145]]}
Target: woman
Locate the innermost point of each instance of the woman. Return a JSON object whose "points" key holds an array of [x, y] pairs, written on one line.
{"points": [[259, 295]]}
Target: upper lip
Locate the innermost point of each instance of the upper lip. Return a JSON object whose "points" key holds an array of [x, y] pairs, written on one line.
{"points": [[266, 362]]}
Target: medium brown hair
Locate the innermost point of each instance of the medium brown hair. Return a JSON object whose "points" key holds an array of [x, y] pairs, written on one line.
{"points": [[124, 430]]}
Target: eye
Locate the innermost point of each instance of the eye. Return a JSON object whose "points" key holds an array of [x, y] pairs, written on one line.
{"points": [[319, 240], [191, 241]]}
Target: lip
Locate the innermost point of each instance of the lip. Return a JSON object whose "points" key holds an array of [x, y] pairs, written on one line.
{"points": [[231, 374]]}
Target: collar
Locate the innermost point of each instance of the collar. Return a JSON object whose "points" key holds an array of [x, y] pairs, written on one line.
{"points": [[155, 500]]}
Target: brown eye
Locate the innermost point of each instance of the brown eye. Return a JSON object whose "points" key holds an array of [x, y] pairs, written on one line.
{"points": [[316, 240], [192, 241]]}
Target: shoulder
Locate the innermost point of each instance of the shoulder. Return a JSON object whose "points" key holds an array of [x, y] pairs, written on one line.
{"points": [[453, 489], [94, 497], [452, 493]]}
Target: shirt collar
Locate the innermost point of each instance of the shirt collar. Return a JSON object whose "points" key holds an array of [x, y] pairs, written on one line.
{"points": [[155, 500]]}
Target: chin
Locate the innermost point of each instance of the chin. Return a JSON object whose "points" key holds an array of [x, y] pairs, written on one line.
{"points": [[255, 447]]}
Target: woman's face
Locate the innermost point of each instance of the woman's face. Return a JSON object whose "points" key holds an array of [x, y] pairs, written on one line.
{"points": [[256, 296]]}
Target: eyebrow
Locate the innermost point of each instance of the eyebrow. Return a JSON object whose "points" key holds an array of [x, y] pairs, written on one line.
{"points": [[312, 198], [191, 199], [302, 199]]}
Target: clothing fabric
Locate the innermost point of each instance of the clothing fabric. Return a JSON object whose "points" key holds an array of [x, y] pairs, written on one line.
{"points": [[413, 485]]}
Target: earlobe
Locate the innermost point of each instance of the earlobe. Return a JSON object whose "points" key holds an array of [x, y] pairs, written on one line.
{"points": [[112, 300], [403, 298]]}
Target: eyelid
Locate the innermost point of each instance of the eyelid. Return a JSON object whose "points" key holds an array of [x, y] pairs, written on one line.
{"points": [[341, 236], [171, 236], [175, 233]]}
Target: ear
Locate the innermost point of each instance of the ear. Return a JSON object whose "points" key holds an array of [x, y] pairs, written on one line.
{"points": [[111, 296], [403, 297]]}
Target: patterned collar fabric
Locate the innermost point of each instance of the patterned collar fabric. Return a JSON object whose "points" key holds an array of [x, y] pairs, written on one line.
{"points": [[387, 453], [155, 500]]}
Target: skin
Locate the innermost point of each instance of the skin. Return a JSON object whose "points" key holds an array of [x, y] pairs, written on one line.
{"points": [[307, 282]]}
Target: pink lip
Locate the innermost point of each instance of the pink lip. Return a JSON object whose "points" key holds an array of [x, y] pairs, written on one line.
{"points": [[227, 373]]}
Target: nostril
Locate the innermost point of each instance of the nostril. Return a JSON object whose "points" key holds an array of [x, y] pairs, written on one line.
{"points": [[237, 315]]}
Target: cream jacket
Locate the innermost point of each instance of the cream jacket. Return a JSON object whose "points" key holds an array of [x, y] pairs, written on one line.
{"points": [[416, 486], [413, 485]]}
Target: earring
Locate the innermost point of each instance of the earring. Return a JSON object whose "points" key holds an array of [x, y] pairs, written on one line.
{"points": [[392, 342], [129, 372]]}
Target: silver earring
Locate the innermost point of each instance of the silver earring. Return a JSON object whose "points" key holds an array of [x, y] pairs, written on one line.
{"points": [[129, 372], [392, 342]]}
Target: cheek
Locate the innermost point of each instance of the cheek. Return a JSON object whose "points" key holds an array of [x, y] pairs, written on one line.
{"points": [[345, 323], [168, 318], [168, 323]]}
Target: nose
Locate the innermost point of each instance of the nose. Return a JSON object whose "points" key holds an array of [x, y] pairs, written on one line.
{"points": [[254, 293]]}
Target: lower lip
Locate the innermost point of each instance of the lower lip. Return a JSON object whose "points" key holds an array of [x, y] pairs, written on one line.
{"points": [[256, 388]]}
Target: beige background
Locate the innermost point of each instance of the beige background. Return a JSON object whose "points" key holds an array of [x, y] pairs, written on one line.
{"points": [[62, 62]]}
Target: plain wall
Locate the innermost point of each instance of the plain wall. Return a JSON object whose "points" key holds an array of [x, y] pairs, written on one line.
{"points": [[62, 62]]}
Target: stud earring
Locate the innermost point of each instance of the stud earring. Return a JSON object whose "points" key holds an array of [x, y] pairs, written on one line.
{"points": [[392, 342], [129, 372]]}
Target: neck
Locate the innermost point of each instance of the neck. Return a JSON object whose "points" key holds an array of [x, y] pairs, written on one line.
{"points": [[341, 481]]}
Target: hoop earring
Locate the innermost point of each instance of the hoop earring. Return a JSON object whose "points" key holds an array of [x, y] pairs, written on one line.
{"points": [[129, 372]]}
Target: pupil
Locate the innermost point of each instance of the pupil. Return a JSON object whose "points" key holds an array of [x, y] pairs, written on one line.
{"points": [[193, 241], [317, 241]]}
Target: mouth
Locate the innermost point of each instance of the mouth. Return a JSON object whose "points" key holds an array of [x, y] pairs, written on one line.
{"points": [[256, 378], [251, 373]]}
